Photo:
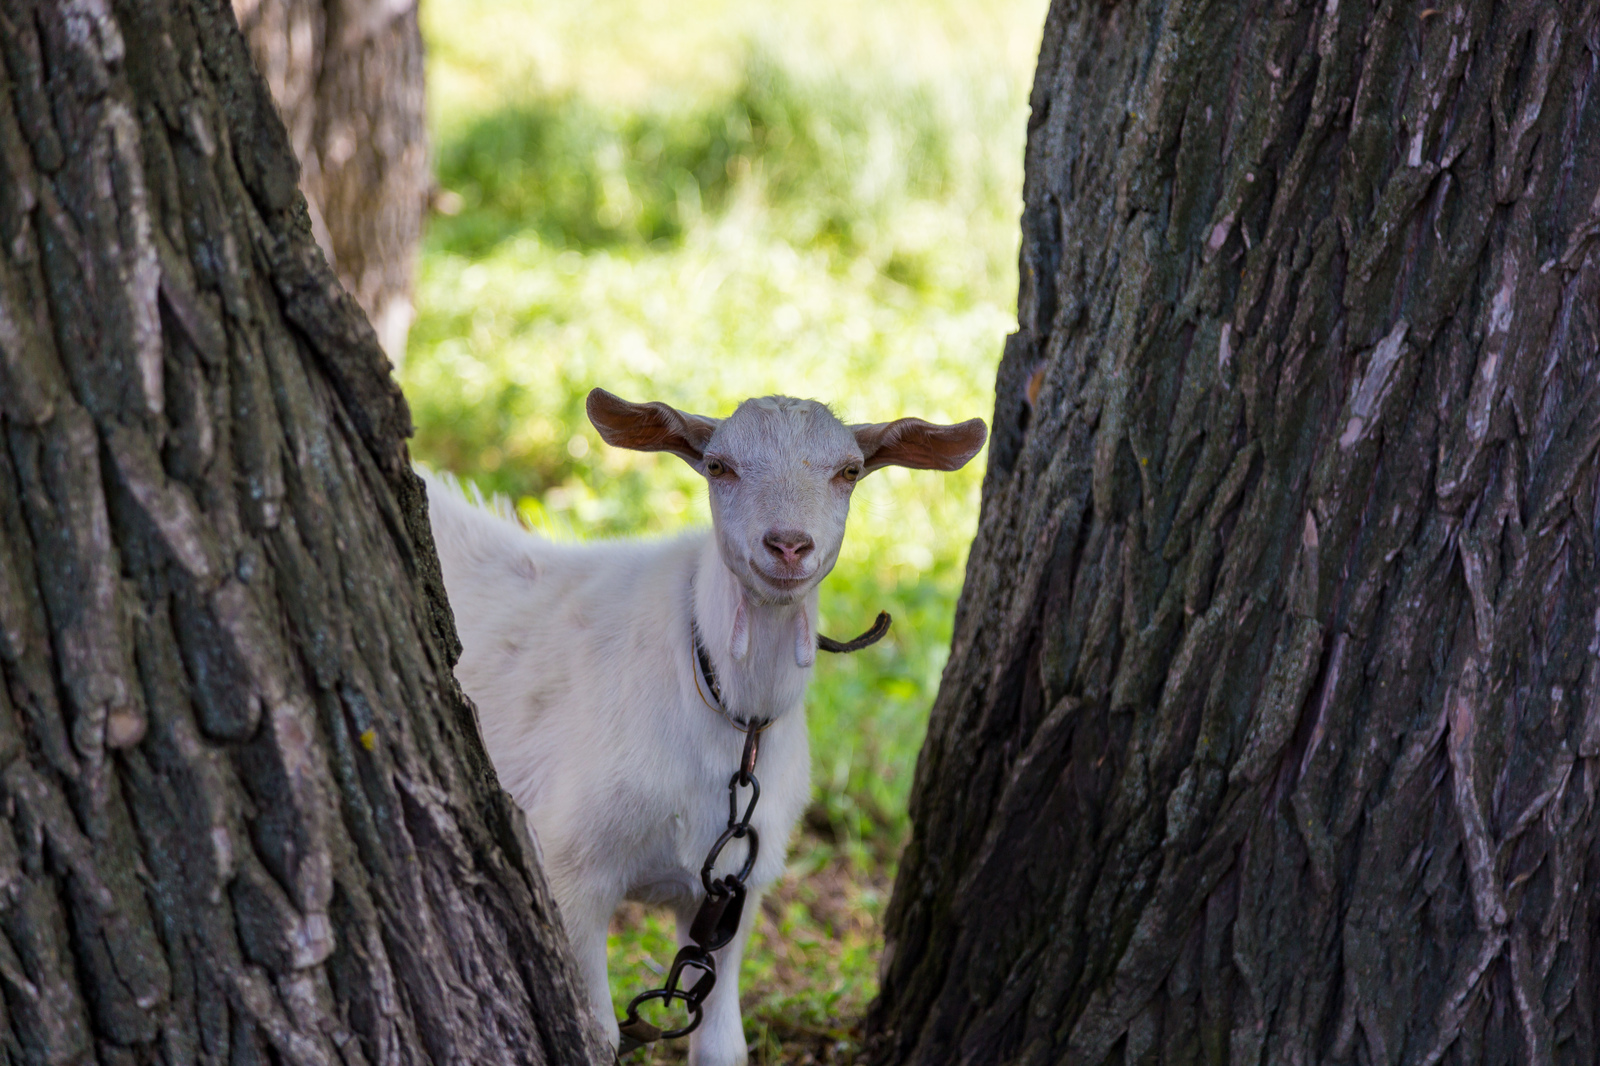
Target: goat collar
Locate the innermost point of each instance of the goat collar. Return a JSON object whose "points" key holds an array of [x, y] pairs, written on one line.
{"points": [[705, 683], [705, 675]]}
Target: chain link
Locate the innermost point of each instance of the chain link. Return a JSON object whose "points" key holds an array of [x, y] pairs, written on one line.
{"points": [[715, 923]]}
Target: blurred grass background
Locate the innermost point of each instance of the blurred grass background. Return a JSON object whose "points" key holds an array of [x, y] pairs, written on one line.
{"points": [[709, 200]]}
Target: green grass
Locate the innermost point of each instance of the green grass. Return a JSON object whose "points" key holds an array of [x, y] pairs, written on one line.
{"points": [[704, 201]]}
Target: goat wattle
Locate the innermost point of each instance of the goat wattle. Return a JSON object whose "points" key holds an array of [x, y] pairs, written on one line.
{"points": [[805, 648]]}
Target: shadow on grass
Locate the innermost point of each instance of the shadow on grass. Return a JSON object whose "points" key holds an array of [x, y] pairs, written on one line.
{"points": [[831, 157]]}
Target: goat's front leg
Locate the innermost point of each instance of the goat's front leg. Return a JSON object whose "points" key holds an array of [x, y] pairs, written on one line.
{"points": [[587, 917], [720, 1039]]}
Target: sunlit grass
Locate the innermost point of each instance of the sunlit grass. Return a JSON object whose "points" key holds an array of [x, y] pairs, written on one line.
{"points": [[709, 200]]}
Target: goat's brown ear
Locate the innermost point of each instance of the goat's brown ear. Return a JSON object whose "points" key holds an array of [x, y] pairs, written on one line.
{"points": [[649, 427], [918, 444]]}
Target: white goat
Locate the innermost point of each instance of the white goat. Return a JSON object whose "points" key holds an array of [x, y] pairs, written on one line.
{"points": [[581, 660]]}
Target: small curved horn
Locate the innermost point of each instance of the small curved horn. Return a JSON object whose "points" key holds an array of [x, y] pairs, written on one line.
{"points": [[865, 640]]}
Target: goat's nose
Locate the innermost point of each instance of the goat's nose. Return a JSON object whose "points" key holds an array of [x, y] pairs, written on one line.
{"points": [[788, 545]]}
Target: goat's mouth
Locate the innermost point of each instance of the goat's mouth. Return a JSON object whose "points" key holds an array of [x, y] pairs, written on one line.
{"points": [[781, 583]]}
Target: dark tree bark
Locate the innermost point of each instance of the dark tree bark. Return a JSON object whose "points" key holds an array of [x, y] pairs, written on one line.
{"points": [[1271, 725], [247, 816], [347, 77]]}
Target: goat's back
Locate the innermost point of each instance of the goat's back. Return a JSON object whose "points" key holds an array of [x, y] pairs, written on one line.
{"points": [[559, 641]]}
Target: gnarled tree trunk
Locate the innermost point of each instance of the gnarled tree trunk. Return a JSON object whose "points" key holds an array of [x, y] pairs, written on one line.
{"points": [[1271, 729], [246, 813], [347, 77]]}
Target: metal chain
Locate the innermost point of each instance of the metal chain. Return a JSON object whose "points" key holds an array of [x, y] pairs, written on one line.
{"points": [[715, 923]]}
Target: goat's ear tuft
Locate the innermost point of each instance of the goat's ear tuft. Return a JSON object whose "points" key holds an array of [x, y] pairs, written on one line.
{"points": [[918, 444], [649, 427]]}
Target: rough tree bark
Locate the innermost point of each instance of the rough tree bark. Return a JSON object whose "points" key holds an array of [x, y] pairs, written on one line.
{"points": [[1271, 725], [245, 815], [347, 77]]}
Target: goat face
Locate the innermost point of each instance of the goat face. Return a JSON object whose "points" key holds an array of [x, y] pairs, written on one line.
{"points": [[781, 472]]}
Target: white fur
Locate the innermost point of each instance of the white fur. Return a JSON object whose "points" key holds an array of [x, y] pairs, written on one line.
{"points": [[581, 662]]}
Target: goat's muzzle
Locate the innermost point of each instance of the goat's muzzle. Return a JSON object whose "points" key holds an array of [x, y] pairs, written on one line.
{"points": [[789, 547]]}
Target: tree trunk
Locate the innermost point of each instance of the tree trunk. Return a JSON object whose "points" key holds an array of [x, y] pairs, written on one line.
{"points": [[347, 78], [1271, 725], [247, 814]]}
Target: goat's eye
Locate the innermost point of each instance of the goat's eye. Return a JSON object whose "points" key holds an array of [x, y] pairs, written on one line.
{"points": [[715, 468], [851, 472]]}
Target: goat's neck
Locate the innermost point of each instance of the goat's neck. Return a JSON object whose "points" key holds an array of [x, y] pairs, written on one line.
{"points": [[762, 652]]}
